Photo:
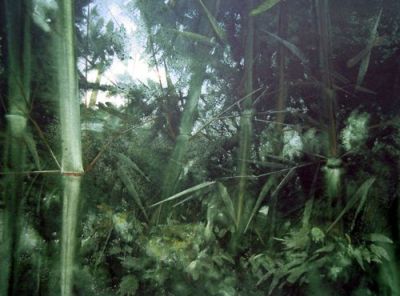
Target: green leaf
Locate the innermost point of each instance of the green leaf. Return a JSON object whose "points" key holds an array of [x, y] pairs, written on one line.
{"points": [[296, 273], [129, 163], [365, 61], [263, 7], [110, 27], [32, 147], [128, 286], [227, 201], [263, 193], [380, 252], [291, 47], [358, 256], [126, 179], [195, 37], [184, 192], [360, 194], [363, 191], [214, 24], [378, 237]]}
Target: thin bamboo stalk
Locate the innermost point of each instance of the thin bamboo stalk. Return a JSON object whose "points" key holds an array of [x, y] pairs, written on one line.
{"points": [[327, 92], [246, 126]]}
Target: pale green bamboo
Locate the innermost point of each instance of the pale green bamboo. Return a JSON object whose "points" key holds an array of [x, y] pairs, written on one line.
{"points": [[246, 119], [71, 163], [18, 95]]}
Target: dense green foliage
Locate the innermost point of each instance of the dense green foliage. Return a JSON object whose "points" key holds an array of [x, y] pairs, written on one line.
{"points": [[265, 162]]}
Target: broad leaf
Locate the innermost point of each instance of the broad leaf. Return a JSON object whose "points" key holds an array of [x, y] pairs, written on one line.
{"points": [[378, 237]]}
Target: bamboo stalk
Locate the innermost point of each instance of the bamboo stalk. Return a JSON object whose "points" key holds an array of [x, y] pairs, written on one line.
{"points": [[17, 14], [246, 126], [176, 162], [71, 163], [327, 92]]}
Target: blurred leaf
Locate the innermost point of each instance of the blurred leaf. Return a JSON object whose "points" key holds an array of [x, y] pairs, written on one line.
{"points": [[32, 147], [126, 179], [378, 237], [361, 194], [358, 256], [216, 27], [365, 61], [227, 201], [296, 273], [110, 27], [128, 286], [263, 7], [126, 161], [380, 252], [195, 37], [291, 47], [263, 193]]}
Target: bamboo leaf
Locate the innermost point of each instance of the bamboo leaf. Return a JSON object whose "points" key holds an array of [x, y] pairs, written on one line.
{"points": [[364, 194], [195, 37], [378, 237], [291, 47], [227, 200], [263, 193], [365, 61], [184, 192], [126, 161], [214, 24], [32, 147], [126, 179], [380, 252], [361, 193], [128, 286], [263, 7]]}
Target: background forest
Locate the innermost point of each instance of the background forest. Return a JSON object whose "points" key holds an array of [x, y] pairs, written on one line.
{"points": [[263, 161]]}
